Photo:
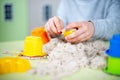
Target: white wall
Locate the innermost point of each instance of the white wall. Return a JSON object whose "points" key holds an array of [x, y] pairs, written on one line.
{"points": [[36, 11]]}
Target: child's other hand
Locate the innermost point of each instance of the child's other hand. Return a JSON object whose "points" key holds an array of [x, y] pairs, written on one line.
{"points": [[54, 26], [84, 31]]}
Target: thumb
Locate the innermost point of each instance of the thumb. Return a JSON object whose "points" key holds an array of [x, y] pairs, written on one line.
{"points": [[73, 25]]}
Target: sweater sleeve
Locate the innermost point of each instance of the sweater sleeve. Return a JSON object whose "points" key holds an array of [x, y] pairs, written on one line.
{"points": [[62, 11], [105, 28]]}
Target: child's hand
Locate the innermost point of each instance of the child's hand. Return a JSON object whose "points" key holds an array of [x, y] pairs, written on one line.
{"points": [[54, 26], [84, 31]]}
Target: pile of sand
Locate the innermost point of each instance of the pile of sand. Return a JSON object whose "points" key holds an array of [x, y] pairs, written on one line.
{"points": [[66, 58]]}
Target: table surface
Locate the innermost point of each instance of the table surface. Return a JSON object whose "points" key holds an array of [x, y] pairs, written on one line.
{"points": [[82, 74]]}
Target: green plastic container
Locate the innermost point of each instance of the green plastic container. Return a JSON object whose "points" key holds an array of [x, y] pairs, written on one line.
{"points": [[113, 65], [113, 61]]}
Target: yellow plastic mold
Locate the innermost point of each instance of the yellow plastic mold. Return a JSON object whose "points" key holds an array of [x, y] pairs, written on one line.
{"points": [[33, 46], [68, 32], [13, 64]]}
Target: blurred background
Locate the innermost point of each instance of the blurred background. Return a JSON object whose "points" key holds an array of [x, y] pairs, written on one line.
{"points": [[19, 17]]}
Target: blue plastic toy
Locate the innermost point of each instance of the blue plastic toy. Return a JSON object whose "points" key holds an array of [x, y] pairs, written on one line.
{"points": [[113, 62]]}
